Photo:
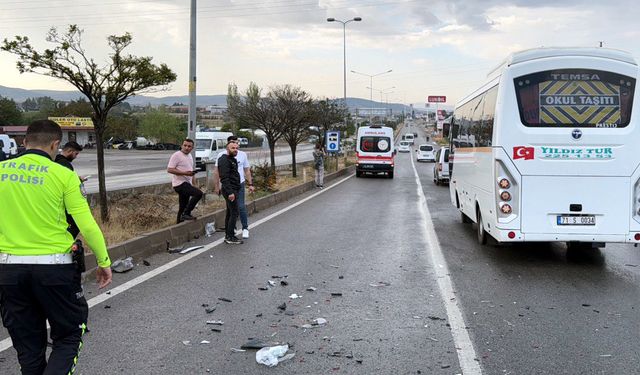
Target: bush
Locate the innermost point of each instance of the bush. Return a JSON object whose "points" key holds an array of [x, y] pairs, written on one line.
{"points": [[264, 177]]}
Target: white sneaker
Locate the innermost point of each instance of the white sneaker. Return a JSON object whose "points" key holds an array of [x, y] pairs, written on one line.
{"points": [[245, 233]]}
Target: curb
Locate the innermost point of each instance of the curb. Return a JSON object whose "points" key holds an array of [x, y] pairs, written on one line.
{"points": [[158, 241]]}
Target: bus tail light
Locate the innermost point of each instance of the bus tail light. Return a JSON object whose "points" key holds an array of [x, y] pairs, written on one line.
{"points": [[506, 193], [637, 237], [636, 201]]}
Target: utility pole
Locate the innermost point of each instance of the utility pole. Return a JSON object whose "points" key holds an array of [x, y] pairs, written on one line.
{"points": [[191, 126]]}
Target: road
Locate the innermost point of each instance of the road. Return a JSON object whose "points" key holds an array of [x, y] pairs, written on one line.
{"points": [[132, 168], [419, 295]]}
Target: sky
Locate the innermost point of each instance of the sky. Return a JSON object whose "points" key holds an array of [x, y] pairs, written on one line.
{"points": [[433, 47]]}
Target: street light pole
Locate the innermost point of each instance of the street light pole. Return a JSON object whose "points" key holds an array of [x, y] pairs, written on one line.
{"points": [[344, 58], [371, 87], [191, 126]]}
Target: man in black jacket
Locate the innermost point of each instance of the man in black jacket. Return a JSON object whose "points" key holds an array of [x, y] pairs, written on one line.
{"points": [[69, 153], [230, 187]]}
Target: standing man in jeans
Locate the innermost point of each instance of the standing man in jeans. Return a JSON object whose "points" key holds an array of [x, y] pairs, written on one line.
{"points": [[244, 169], [181, 167], [230, 188]]}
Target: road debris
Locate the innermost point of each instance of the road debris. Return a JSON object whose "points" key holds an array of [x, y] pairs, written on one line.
{"points": [[209, 229], [209, 310], [215, 322], [254, 344], [236, 350], [336, 294], [334, 266], [283, 306], [263, 288], [224, 299], [216, 330], [272, 355], [340, 277], [380, 284], [173, 250], [190, 249], [433, 317], [187, 342], [295, 296], [122, 265], [272, 283], [146, 263], [319, 321], [284, 282], [205, 342], [311, 289]]}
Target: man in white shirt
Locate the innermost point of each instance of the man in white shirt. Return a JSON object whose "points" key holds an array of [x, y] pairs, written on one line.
{"points": [[244, 169]]}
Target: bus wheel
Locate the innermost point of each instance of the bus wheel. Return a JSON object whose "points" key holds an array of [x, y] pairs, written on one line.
{"points": [[482, 234]]}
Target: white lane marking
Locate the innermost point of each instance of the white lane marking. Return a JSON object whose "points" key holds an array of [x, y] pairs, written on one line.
{"points": [[466, 353], [6, 343]]}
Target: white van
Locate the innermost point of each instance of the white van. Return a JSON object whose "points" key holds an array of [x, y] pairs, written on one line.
{"points": [[8, 145], [441, 168], [374, 150], [208, 144], [409, 138]]}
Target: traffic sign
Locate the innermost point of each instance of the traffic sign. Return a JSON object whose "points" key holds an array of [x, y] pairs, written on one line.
{"points": [[333, 141], [437, 99]]}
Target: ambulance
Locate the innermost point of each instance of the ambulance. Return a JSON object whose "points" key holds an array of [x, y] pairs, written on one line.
{"points": [[374, 151]]}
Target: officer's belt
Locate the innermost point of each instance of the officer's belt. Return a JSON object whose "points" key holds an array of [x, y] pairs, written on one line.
{"points": [[36, 259]]}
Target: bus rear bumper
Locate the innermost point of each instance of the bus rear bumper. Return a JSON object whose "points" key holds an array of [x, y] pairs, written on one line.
{"points": [[507, 235]]}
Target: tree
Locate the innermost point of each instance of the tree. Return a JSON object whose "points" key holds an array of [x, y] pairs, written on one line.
{"points": [[9, 112], [105, 87], [293, 107], [121, 126], [161, 126], [79, 108], [257, 112], [327, 115]]}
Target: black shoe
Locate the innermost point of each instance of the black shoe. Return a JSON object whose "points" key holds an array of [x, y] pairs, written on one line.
{"points": [[233, 240], [188, 217]]}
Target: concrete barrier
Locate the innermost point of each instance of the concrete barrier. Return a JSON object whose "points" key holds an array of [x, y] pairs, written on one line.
{"points": [[158, 241]]}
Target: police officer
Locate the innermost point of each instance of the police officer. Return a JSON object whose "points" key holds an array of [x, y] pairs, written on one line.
{"points": [[38, 280]]}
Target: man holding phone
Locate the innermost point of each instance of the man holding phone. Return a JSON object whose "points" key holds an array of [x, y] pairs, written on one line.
{"points": [[183, 180]]}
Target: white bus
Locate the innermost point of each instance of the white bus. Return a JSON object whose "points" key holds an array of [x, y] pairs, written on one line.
{"points": [[548, 149]]}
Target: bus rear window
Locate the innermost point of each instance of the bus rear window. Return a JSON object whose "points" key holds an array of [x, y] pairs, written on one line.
{"points": [[375, 144], [575, 98]]}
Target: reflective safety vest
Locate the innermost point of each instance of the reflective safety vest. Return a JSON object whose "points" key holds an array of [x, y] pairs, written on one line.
{"points": [[34, 193]]}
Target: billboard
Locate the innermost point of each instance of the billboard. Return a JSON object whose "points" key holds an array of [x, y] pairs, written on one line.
{"points": [[437, 99], [72, 121]]}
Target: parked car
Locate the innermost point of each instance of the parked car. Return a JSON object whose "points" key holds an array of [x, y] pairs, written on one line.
{"points": [[441, 168], [426, 153], [405, 146], [243, 141]]}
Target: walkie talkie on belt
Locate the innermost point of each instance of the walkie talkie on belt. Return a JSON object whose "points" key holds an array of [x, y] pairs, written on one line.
{"points": [[77, 251]]}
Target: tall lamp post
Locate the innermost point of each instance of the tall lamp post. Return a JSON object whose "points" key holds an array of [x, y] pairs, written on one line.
{"points": [[344, 58], [371, 85]]}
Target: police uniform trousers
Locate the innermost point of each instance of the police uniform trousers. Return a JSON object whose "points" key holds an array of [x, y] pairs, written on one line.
{"points": [[29, 296]]}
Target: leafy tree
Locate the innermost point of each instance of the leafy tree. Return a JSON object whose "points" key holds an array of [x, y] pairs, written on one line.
{"points": [[79, 108], [121, 126], [161, 126], [257, 112], [327, 115], [30, 105], [293, 107], [9, 112], [105, 87]]}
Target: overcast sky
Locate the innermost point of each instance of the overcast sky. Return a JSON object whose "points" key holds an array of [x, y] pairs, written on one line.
{"points": [[434, 47]]}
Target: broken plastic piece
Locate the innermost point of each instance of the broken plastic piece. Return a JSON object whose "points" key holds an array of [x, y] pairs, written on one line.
{"points": [[186, 342], [283, 306], [209, 310], [173, 250], [236, 350], [380, 283], [224, 299], [284, 283], [335, 294], [319, 321], [215, 322], [295, 296], [122, 265], [146, 263], [272, 355], [205, 342], [209, 229], [311, 289], [190, 249], [263, 288], [272, 283], [254, 344]]}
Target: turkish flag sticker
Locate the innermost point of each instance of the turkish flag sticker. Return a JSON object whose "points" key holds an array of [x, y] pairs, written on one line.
{"points": [[521, 152]]}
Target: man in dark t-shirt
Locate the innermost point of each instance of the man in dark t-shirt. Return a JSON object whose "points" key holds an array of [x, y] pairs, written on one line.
{"points": [[69, 152]]}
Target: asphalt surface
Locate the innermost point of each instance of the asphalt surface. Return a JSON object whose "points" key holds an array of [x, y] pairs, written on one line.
{"points": [[133, 168], [527, 309]]}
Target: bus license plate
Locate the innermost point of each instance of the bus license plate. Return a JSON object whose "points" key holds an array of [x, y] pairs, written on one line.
{"points": [[576, 220]]}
